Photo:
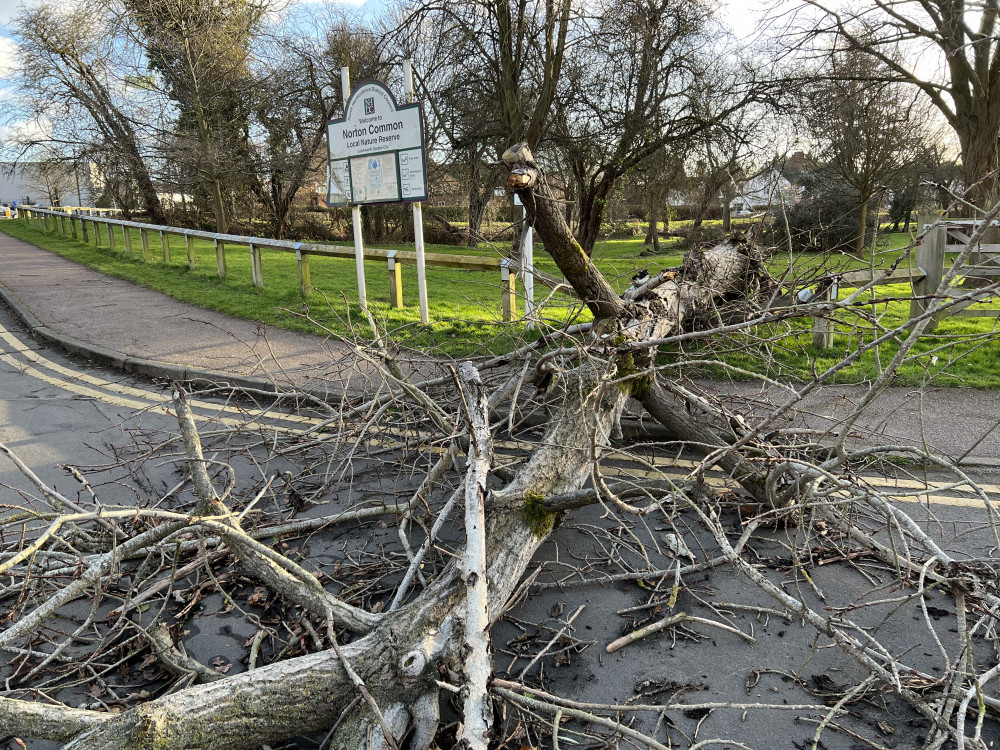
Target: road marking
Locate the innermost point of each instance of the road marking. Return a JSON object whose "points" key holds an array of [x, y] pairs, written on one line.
{"points": [[126, 396]]}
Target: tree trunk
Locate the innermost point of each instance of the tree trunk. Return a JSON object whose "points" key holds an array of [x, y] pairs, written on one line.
{"points": [[980, 143], [147, 192], [481, 189], [593, 202], [653, 230], [859, 249], [727, 210]]}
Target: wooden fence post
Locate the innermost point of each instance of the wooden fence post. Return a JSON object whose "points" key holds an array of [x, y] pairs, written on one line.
{"points": [[97, 234], [508, 297], [823, 326], [395, 281], [83, 229], [165, 246], [305, 282], [256, 271], [144, 236], [189, 243], [220, 257], [111, 236], [929, 258], [72, 224], [127, 239]]}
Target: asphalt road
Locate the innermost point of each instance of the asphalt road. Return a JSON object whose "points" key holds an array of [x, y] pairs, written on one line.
{"points": [[57, 411]]}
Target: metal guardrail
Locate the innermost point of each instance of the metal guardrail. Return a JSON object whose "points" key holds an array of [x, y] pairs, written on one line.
{"points": [[303, 250]]}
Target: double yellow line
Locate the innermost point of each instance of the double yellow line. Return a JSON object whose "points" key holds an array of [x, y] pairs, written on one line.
{"points": [[22, 356]]}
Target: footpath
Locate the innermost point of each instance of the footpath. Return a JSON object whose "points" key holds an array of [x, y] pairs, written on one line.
{"points": [[118, 324]]}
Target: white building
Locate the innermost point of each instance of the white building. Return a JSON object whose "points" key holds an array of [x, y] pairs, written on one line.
{"points": [[48, 183], [766, 190]]}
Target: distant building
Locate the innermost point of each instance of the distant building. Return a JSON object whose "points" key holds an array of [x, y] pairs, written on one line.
{"points": [[51, 183], [764, 191]]}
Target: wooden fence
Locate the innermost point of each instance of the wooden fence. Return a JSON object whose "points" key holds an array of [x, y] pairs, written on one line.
{"points": [[925, 275], [90, 225]]}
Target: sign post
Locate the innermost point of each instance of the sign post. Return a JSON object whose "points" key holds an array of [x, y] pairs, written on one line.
{"points": [[527, 260], [418, 215], [376, 155], [359, 247]]}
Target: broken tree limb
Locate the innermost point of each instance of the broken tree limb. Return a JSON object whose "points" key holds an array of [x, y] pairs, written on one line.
{"points": [[290, 580], [545, 216], [672, 415], [45, 721], [478, 667]]}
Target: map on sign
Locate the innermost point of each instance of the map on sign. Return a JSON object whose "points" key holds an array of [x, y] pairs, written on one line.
{"points": [[376, 151]]}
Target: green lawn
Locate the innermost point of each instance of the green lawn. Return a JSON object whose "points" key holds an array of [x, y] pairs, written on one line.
{"points": [[465, 305]]}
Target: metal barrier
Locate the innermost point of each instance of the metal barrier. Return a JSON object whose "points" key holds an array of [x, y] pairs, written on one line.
{"points": [[42, 217]]}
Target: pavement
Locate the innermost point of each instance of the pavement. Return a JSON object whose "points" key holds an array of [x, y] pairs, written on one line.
{"points": [[119, 324]]}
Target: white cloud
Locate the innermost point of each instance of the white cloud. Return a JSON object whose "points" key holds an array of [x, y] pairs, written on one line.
{"points": [[355, 3], [8, 53], [8, 10]]}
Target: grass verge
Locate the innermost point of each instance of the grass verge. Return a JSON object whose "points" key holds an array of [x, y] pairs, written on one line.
{"points": [[465, 306]]}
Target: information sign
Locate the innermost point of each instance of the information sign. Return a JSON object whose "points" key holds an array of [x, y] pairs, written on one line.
{"points": [[376, 151]]}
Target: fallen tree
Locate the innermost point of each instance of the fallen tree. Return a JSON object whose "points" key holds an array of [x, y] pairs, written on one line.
{"points": [[426, 637]]}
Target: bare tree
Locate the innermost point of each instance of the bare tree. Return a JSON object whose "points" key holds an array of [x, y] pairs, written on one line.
{"points": [[645, 76], [72, 76], [868, 130], [296, 93], [489, 72], [899, 35]]}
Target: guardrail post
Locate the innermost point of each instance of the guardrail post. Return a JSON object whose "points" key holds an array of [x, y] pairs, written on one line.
{"points": [[72, 224], [305, 282], [929, 257], [220, 257], [395, 281], [127, 239], [165, 246], [97, 233], [256, 271], [823, 326], [83, 230], [189, 243], [111, 236], [144, 236], [508, 296], [62, 224]]}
